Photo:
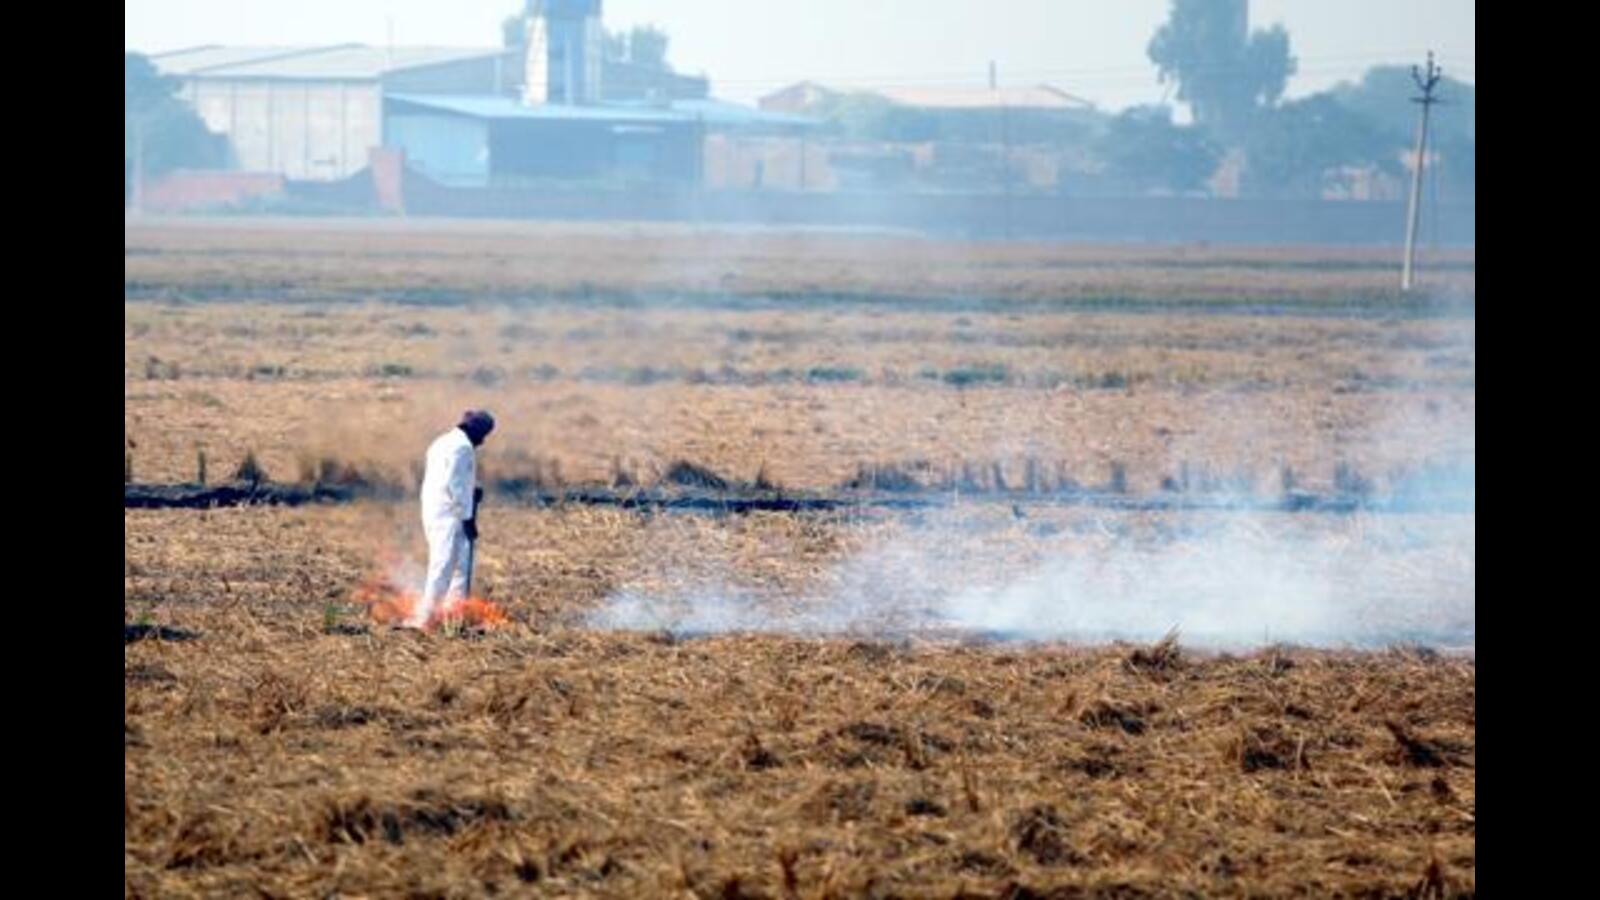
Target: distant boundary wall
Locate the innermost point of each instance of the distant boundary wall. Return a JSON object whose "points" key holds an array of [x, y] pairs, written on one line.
{"points": [[1155, 219], [187, 190], [387, 186]]}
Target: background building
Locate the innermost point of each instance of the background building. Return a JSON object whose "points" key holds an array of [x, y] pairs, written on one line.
{"points": [[551, 109], [944, 138], [565, 49], [315, 113]]}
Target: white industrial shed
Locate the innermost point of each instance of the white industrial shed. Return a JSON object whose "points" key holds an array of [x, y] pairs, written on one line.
{"points": [[314, 113]]}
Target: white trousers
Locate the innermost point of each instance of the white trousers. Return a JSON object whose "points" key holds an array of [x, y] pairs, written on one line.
{"points": [[448, 554]]}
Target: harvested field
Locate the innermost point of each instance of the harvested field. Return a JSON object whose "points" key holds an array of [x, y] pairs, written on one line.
{"points": [[454, 263], [963, 698], [809, 396], [279, 750]]}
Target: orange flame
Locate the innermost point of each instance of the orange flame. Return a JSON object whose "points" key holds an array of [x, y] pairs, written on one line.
{"points": [[389, 604]]}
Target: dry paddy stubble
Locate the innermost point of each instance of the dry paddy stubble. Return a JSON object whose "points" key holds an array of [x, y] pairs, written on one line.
{"points": [[290, 751], [810, 395]]}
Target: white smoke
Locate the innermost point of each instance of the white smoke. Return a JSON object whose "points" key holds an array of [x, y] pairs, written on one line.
{"points": [[1236, 586], [1225, 580]]}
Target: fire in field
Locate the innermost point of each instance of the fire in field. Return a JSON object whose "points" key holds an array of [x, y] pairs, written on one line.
{"points": [[807, 565]]}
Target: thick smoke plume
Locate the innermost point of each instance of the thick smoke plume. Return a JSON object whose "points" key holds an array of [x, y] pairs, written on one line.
{"points": [[1225, 580]]}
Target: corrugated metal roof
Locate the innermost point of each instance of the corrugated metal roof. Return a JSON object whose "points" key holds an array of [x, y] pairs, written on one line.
{"points": [[182, 62], [1034, 97], [1039, 96], [724, 113], [341, 61], [492, 107], [709, 112]]}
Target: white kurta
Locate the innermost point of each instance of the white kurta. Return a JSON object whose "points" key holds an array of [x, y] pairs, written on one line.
{"points": [[447, 486]]}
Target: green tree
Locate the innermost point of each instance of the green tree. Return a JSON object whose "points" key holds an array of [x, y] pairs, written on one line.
{"points": [[1384, 94], [160, 132], [647, 46], [615, 45], [1226, 74], [1145, 149], [1291, 149], [1458, 167]]}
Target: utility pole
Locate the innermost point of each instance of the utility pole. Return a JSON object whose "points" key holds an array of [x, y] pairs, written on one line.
{"points": [[1426, 81]]}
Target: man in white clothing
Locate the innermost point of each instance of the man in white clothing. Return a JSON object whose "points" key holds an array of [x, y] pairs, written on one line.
{"points": [[449, 511]]}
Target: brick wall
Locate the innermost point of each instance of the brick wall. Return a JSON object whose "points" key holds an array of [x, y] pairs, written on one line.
{"points": [[190, 189]]}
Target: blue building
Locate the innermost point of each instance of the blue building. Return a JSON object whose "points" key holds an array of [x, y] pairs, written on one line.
{"points": [[467, 140], [551, 109]]}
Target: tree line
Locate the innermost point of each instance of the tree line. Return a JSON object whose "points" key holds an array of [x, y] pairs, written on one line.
{"points": [[1232, 82]]}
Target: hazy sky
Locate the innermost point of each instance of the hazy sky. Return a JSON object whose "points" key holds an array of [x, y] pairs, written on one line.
{"points": [[1092, 48]]}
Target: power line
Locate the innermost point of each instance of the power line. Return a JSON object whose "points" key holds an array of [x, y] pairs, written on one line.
{"points": [[1304, 65], [1145, 67]]}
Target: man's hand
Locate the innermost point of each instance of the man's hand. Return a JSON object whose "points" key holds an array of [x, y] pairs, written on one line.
{"points": [[470, 526]]}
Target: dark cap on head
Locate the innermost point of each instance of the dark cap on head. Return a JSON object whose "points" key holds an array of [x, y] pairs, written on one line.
{"points": [[477, 423]]}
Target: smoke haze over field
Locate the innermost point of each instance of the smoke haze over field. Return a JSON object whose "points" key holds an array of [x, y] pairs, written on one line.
{"points": [[1224, 580], [1229, 579]]}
